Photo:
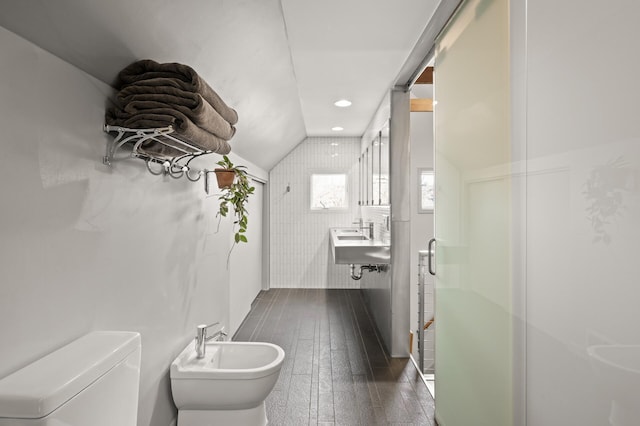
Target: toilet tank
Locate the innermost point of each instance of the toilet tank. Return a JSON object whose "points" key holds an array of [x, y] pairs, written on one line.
{"points": [[92, 381]]}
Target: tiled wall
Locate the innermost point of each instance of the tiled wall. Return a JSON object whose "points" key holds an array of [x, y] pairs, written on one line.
{"points": [[300, 253]]}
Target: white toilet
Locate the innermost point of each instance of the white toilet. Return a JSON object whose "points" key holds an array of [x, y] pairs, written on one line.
{"points": [[226, 387], [93, 381]]}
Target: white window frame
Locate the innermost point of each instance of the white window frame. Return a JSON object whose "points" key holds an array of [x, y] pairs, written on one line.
{"points": [[430, 204], [312, 192]]}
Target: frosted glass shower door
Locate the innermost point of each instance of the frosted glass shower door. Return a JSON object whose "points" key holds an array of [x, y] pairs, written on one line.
{"points": [[473, 361]]}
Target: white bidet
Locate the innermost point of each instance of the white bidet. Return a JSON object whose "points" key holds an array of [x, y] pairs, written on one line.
{"points": [[228, 385]]}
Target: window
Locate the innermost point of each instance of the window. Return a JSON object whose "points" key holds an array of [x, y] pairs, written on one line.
{"points": [[426, 190], [328, 191]]}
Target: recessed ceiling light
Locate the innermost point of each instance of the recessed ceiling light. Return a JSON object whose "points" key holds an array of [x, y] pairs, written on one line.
{"points": [[342, 103], [337, 129]]}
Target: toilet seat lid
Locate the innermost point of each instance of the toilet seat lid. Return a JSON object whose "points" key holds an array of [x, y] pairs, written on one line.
{"points": [[41, 387]]}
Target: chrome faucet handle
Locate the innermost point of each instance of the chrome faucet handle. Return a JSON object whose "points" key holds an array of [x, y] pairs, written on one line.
{"points": [[220, 336], [201, 332], [201, 338], [204, 326]]}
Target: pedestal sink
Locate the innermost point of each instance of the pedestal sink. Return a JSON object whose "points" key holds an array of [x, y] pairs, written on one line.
{"points": [[351, 246]]}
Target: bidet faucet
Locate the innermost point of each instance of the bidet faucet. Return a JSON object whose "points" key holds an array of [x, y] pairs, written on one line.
{"points": [[202, 338]]}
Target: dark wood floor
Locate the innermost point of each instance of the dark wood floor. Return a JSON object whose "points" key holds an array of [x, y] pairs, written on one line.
{"points": [[335, 370]]}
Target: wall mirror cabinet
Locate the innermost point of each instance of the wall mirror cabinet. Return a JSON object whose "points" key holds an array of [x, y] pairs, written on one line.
{"points": [[384, 165], [374, 171]]}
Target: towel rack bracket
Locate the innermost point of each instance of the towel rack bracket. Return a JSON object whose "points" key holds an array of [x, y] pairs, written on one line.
{"points": [[133, 141]]}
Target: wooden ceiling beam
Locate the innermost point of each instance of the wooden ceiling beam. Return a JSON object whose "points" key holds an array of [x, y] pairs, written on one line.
{"points": [[426, 77], [421, 105]]}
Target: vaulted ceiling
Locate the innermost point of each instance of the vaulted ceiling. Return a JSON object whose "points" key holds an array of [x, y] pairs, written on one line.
{"points": [[280, 63]]}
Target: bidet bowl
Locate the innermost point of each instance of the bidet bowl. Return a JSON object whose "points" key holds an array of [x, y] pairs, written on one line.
{"points": [[231, 376]]}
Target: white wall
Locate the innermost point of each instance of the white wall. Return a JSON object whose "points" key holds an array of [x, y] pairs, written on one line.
{"points": [[582, 210], [87, 247], [300, 255], [387, 295], [246, 282], [399, 182]]}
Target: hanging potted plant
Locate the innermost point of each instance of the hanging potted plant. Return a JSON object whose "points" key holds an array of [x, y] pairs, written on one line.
{"points": [[224, 176], [235, 193]]}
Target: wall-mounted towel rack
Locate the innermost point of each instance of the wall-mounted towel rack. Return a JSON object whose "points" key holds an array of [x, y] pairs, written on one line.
{"points": [[174, 160]]}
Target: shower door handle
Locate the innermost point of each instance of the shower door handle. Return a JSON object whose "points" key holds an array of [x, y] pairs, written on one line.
{"points": [[432, 253]]}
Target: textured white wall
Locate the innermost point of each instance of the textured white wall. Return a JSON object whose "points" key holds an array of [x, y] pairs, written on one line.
{"points": [[87, 247], [300, 255]]}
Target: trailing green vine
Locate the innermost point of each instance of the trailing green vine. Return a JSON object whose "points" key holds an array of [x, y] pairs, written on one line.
{"points": [[235, 197]]}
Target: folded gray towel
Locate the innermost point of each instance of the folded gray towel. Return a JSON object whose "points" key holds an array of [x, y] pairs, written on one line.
{"points": [[198, 110], [184, 129], [151, 73], [176, 94]]}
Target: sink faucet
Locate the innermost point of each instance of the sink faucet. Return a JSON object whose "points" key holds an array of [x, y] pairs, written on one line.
{"points": [[202, 338], [369, 227]]}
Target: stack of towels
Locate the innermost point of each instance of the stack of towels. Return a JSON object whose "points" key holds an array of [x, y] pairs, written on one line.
{"points": [[153, 95]]}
